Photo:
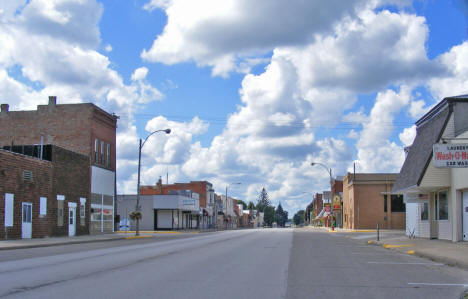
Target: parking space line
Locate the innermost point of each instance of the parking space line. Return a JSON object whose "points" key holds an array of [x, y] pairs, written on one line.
{"points": [[403, 263], [439, 284]]}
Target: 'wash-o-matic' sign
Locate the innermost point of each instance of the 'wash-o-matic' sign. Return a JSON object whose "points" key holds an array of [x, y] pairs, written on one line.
{"points": [[450, 155]]}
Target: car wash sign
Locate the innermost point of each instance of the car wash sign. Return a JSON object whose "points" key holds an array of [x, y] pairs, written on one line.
{"points": [[450, 155]]}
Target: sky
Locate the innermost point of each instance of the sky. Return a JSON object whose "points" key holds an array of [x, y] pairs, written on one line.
{"points": [[253, 91]]}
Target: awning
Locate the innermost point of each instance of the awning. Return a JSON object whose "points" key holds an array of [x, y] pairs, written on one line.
{"points": [[319, 216]]}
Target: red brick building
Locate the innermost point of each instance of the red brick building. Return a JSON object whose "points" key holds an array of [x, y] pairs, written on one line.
{"points": [[203, 188], [82, 128], [43, 197]]}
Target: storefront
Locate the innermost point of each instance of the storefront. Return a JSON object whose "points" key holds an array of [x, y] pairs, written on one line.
{"points": [[433, 177]]}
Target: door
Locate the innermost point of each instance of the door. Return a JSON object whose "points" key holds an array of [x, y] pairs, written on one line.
{"points": [[434, 223], [26, 227], [71, 221], [465, 216]]}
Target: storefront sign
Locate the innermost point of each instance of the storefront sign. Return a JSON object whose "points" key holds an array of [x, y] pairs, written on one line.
{"points": [[327, 207], [450, 155], [336, 202]]}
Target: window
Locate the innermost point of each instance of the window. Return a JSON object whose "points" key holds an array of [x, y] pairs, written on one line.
{"points": [[397, 203], [82, 211], [425, 211], [441, 206], [60, 200], [108, 156], [9, 198], [102, 153], [42, 206], [385, 203], [96, 150]]}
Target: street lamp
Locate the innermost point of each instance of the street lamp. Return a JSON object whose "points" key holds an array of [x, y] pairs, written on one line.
{"points": [[226, 194], [329, 170], [137, 208]]}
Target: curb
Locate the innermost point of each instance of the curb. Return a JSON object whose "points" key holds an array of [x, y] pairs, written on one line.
{"points": [[414, 252], [60, 243]]}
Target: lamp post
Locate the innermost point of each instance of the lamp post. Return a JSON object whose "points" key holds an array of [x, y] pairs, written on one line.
{"points": [[227, 190], [137, 208], [329, 170]]}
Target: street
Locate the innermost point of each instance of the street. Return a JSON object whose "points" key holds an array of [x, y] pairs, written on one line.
{"points": [[256, 263]]}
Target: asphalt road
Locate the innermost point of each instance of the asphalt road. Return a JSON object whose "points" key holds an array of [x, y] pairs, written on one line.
{"points": [[265, 263]]}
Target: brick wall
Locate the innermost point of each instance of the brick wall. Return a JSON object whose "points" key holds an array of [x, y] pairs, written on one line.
{"points": [[68, 174], [71, 178], [199, 187], [11, 181]]}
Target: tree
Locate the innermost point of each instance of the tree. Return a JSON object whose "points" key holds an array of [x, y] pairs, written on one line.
{"points": [[299, 217], [269, 215], [251, 206], [280, 215], [263, 201], [244, 205]]}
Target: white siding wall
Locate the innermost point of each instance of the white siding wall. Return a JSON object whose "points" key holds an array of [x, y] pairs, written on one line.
{"points": [[412, 219], [424, 229], [445, 230], [436, 177]]}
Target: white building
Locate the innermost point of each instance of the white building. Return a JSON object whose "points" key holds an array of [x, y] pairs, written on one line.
{"points": [[167, 212], [435, 187]]}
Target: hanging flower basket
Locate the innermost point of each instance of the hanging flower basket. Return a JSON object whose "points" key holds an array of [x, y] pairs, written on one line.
{"points": [[135, 215]]}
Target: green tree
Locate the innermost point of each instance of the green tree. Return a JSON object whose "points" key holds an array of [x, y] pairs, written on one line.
{"points": [[299, 217], [251, 206], [263, 201], [280, 215], [269, 215], [244, 205]]}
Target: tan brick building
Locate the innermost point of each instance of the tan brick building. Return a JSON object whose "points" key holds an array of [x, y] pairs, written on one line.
{"points": [[367, 201], [82, 128]]}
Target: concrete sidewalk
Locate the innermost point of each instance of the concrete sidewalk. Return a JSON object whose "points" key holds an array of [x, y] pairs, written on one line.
{"points": [[441, 251], [55, 241]]}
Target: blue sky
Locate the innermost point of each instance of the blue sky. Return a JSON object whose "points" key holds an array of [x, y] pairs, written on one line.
{"points": [[254, 91]]}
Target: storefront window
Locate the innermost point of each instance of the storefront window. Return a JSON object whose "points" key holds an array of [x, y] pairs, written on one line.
{"points": [[425, 211], [442, 205], [397, 203]]}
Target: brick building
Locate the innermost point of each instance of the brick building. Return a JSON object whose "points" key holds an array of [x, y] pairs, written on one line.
{"points": [[82, 128], [367, 200], [43, 197], [203, 188]]}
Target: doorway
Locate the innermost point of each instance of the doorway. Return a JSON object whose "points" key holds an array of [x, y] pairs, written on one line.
{"points": [[71, 221], [434, 223], [26, 227], [465, 216]]}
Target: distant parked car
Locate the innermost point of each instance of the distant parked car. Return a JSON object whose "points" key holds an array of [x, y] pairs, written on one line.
{"points": [[124, 225]]}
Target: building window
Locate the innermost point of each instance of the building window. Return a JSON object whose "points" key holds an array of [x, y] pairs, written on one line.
{"points": [[96, 151], [102, 153], [108, 156], [425, 211], [385, 203], [9, 204], [441, 206], [42, 206], [82, 211], [60, 200], [397, 204]]}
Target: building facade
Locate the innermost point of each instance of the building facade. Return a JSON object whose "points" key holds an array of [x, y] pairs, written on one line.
{"points": [[367, 201], [179, 210], [82, 128], [203, 188], [43, 197], [435, 186]]}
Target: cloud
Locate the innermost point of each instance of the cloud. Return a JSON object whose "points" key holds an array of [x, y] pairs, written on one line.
{"points": [[374, 150], [408, 135], [217, 34], [140, 74]]}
